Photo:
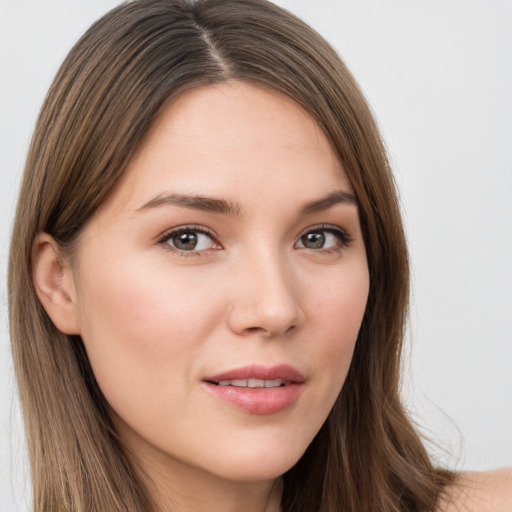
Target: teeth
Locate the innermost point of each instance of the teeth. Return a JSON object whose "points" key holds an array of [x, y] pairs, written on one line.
{"points": [[274, 383], [252, 383], [256, 383]]}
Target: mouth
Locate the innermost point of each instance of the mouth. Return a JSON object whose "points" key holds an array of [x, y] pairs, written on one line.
{"points": [[258, 389], [258, 376], [253, 383]]}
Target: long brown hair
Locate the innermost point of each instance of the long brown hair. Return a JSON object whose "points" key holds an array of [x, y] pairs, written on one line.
{"points": [[108, 92]]}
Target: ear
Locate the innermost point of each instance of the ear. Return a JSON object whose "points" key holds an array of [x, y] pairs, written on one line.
{"points": [[54, 284]]}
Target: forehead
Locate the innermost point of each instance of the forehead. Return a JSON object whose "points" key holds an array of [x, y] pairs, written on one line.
{"points": [[233, 139]]}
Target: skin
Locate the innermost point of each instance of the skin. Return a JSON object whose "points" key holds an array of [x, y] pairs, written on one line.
{"points": [[489, 491], [156, 321]]}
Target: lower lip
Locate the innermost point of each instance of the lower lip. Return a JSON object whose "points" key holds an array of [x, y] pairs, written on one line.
{"points": [[258, 400]]}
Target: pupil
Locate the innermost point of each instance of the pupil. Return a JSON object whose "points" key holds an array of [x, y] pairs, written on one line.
{"points": [[314, 240], [185, 241]]}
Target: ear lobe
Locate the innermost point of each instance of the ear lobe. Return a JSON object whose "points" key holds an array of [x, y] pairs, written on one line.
{"points": [[54, 284]]}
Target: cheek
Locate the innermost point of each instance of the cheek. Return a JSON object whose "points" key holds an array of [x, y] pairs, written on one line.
{"points": [[134, 297], [338, 307], [140, 324], [335, 312]]}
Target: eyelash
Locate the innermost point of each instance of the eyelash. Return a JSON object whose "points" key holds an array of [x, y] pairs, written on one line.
{"points": [[182, 230], [342, 235]]}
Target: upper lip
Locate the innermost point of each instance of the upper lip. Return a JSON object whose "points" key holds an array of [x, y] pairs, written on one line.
{"points": [[287, 373]]}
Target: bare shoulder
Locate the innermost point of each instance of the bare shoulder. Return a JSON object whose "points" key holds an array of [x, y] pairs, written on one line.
{"points": [[489, 491]]}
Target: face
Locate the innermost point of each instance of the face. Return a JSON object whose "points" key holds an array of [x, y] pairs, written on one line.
{"points": [[221, 287]]}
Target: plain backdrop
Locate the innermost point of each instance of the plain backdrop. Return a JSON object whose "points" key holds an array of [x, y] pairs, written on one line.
{"points": [[438, 75]]}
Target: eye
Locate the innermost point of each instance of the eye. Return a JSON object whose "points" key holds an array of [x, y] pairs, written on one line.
{"points": [[189, 239], [324, 238]]}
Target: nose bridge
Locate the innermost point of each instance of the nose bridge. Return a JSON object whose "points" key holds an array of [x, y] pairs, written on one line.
{"points": [[266, 299]]}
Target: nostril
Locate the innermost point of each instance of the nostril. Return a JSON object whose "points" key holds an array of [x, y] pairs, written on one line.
{"points": [[254, 329], [269, 332]]}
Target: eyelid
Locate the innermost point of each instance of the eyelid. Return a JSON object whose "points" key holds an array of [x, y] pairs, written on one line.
{"points": [[163, 238], [338, 231]]}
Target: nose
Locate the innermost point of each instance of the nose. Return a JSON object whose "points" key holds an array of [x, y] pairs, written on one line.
{"points": [[266, 299]]}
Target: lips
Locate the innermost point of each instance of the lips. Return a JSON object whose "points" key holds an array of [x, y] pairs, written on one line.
{"points": [[284, 372], [258, 389]]}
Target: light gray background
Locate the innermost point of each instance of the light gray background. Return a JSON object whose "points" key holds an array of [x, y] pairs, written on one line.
{"points": [[438, 75]]}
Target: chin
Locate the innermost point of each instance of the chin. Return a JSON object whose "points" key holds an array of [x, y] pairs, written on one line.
{"points": [[259, 465]]}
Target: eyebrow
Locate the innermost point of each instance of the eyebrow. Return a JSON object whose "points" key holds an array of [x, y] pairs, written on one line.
{"points": [[205, 204], [221, 206], [334, 198]]}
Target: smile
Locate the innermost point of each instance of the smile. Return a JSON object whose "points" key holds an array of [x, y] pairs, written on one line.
{"points": [[257, 389], [253, 383]]}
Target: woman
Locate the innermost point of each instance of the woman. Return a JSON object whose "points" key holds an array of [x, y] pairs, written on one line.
{"points": [[209, 246]]}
